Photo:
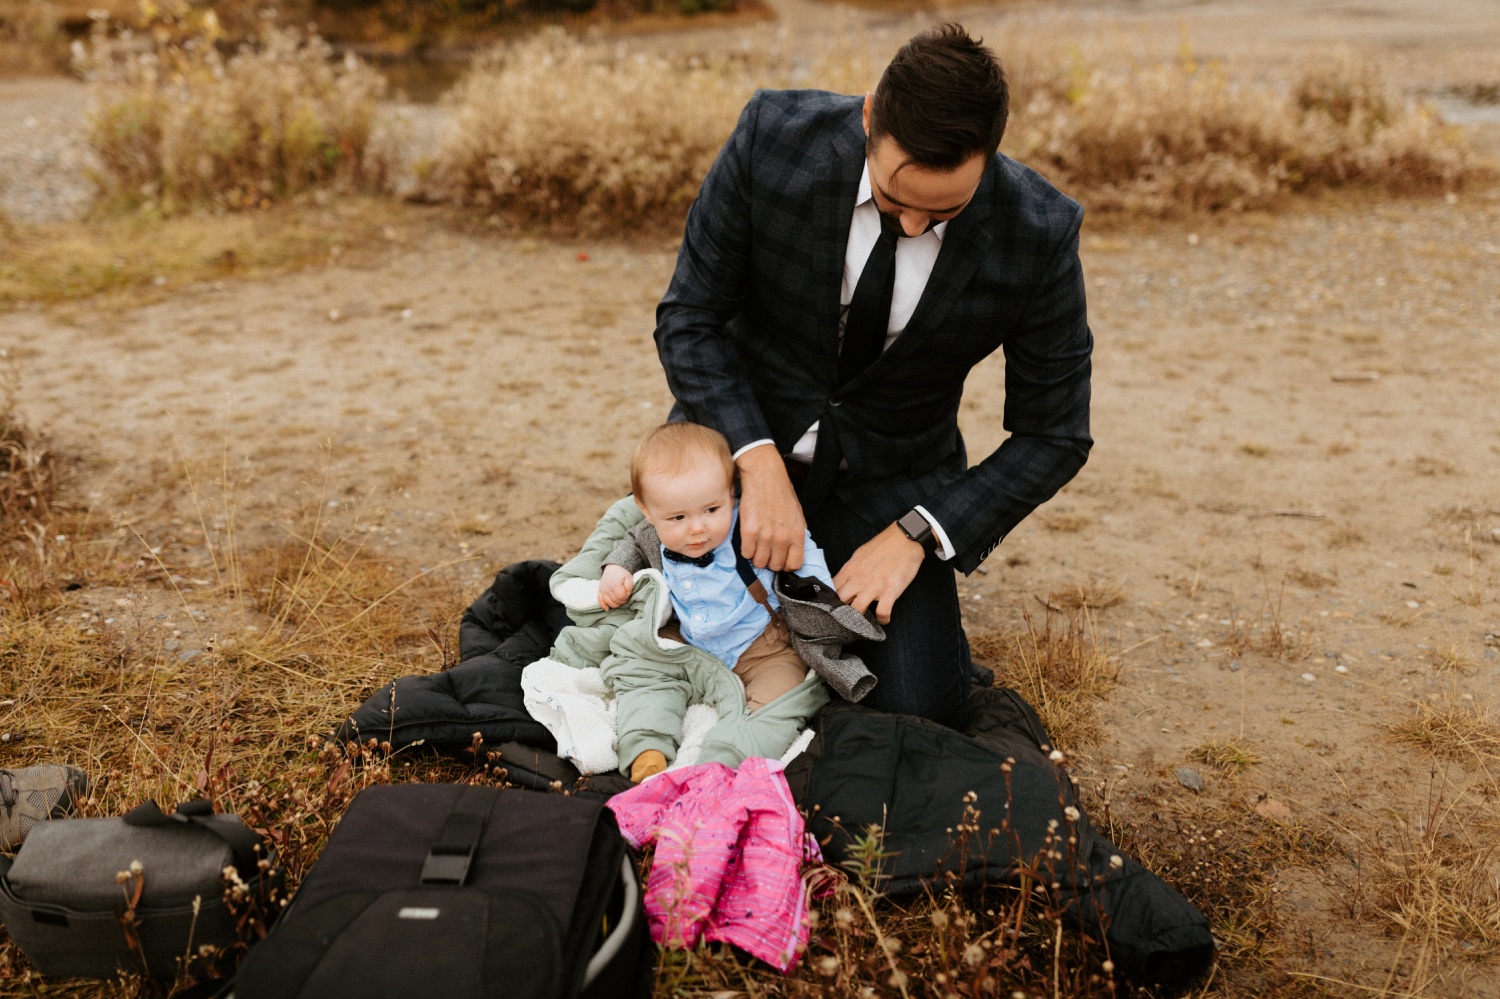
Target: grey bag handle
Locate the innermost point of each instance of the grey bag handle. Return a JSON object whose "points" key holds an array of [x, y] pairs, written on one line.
{"points": [[243, 843]]}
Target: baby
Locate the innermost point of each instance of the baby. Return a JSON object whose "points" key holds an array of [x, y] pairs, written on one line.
{"points": [[682, 479]]}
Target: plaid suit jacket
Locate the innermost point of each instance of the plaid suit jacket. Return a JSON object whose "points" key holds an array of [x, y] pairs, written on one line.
{"points": [[748, 329]]}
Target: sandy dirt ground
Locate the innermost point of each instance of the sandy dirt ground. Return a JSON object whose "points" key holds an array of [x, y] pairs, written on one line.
{"points": [[1295, 486]]}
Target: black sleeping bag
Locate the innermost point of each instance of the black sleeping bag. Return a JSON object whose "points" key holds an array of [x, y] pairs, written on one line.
{"points": [[864, 768]]}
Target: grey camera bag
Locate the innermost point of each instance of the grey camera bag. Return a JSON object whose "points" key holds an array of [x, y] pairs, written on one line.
{"points": [[63, 903]]}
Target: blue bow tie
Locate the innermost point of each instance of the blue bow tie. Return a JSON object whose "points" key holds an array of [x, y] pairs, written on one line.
{"points": [[702, 561]]}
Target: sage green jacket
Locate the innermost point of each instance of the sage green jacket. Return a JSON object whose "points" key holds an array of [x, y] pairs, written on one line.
{"points": [[654, 679]]}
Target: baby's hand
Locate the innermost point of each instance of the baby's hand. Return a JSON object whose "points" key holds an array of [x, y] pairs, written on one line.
{"points": [[615, 587]]}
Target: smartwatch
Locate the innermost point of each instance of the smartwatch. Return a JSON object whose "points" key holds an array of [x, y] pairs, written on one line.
{"points": [[917, 527]]}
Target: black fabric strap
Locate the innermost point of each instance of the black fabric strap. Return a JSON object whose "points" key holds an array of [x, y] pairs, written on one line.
{"points": [[243, 843], [448, 860], [747, 573]]}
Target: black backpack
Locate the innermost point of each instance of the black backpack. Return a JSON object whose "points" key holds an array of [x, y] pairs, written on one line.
{"points": [[461, 892]]}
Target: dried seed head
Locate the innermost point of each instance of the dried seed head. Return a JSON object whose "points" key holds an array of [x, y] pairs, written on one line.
{"points": [[1056, 756], [973, 954], [1116, 861], [136, 867], [844, 918], [1109, 967], [939, 919], [121, 877], [1071, 813], [828, 966]]}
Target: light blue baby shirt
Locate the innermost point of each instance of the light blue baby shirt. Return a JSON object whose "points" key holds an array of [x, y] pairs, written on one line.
{"points": [[714, 609]]}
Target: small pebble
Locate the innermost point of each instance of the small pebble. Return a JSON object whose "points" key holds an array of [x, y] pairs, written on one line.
{"points": [[1308, 677], [1189, 778]]}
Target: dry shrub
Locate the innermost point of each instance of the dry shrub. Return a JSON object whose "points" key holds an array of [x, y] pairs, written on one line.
{"points": [[581, 135], [182, 125], [1180, 134], [1059, 668], [551, 129]]}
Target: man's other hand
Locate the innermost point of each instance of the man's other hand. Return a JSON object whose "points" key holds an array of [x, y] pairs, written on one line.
{"points": [[879, 571], [772, 527], [615, 586]]}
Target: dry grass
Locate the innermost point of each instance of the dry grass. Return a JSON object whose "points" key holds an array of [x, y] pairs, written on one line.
{"points": [[557, 131], [550, 130], [1161, 136], [1085, 596], [28, 468], [1436, 877], [140, 258], [1269, 633], [1225, 755], [181, 125], [1452, 727], [1058, 667]]}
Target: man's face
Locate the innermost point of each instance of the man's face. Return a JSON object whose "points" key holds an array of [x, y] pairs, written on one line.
{"points": [[912, 195], [692, 511]]}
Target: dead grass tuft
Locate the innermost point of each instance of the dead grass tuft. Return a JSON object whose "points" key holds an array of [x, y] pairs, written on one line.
{"points": [[1229, 756], [1450, 658], [1085, 596], [1452, 727], [1268, 633], [1058, 667], [1436, 881], [181, 125]]}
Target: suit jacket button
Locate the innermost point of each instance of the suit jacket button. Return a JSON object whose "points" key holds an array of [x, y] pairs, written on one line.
{"points": [[837, 400]]}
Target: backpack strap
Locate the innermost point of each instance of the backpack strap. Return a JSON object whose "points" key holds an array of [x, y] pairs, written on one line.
{"points": [[448, 859], [243, 843]]}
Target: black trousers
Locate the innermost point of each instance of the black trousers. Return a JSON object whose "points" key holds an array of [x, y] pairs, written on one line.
{"points": [[923, 664]]}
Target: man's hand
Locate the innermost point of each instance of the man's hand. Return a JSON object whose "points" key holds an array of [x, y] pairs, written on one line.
{"points": [[615, 586], [772, 527], [879, 571]]}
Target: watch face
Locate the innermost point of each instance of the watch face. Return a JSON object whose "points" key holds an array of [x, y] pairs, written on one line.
{"points": [[915, 525]]}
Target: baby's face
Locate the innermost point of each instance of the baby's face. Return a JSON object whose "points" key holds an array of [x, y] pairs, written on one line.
{"points": [[692, 511]]}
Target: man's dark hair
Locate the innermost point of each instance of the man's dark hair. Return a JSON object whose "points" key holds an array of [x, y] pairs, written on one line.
{"points": [[942, 99]]}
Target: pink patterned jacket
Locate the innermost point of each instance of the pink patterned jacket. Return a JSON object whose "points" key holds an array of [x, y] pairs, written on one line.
{"points": [[729, 851]]}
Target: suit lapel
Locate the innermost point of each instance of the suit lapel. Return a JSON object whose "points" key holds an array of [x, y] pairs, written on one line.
{"points": [[832, 211], [965, 242]]}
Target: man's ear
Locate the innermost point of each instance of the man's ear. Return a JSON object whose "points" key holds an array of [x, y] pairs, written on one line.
{"points": [[869, 103]]}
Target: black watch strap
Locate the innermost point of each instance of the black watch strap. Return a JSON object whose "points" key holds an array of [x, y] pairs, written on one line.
{"points": [[917, 527]]}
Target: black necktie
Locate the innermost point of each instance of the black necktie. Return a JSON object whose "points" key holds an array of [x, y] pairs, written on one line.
{"points": [[870, 308], [702, 561]]}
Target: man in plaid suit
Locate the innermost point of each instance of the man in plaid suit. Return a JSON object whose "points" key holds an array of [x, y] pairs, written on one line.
{"points": [[757, 329]]}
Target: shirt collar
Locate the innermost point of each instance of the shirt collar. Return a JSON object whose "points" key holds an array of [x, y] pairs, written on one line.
{"points": [[867, 194]]}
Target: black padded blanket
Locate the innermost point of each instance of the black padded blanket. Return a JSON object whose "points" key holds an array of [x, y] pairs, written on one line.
{"points": [[906, 775]]}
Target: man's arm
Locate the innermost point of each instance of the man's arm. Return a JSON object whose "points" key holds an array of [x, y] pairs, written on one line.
{"points": [[707, 290], [1047, 371]]}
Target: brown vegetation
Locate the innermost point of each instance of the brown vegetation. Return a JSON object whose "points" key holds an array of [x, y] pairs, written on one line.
{"points": [[181, 125]]}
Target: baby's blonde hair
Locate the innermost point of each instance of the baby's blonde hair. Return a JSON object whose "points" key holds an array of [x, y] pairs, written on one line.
{"points": [[673, 447]]}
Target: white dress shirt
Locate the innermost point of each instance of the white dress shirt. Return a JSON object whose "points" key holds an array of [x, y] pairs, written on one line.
{"points": [[915, 257]]}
